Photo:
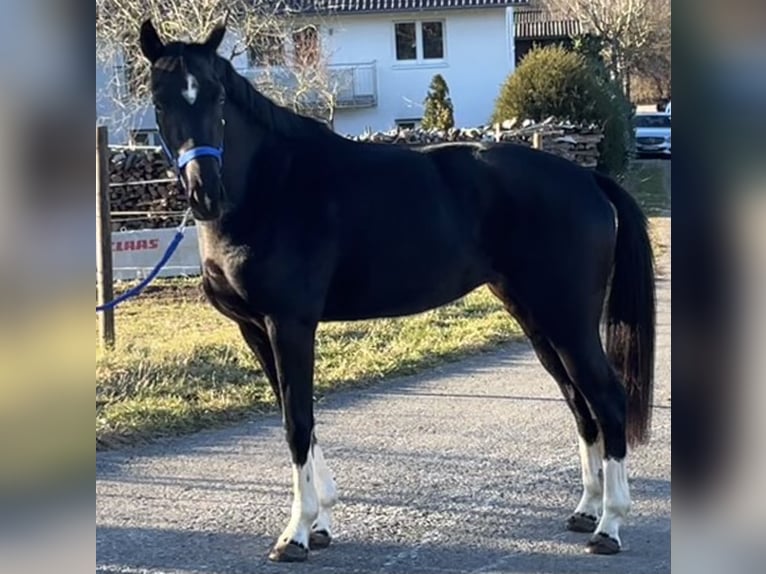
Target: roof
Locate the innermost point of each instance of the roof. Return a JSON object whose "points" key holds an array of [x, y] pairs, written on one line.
{"points": [[534, 24], [375, 6]]}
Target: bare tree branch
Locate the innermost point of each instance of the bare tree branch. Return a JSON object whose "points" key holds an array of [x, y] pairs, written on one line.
{"points": [[254, 28], [634, 31]]}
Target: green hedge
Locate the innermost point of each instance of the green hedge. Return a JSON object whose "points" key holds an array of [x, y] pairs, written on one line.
{"points": [[553, 81]]}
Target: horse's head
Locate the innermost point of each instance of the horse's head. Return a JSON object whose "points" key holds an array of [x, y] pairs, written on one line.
{"points": [[188, 101]]}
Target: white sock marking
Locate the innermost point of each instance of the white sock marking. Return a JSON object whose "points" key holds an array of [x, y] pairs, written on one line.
{"points": [[616, 498], [326, 491], [305, 506], [191, 90], [590, 461]]}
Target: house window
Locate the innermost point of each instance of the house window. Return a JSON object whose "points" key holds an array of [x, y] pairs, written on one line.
{"points": [[433, 41], [419, 40], [267, 50], [406, 41], [306, 46]]}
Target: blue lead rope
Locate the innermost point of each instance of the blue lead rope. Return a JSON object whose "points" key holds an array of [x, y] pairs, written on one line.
{"points": [[157, 268], [183, 159]]}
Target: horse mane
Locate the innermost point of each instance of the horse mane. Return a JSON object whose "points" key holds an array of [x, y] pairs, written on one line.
{"points": [[278, 119]]}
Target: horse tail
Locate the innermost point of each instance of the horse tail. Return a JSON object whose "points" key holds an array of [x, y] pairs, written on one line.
{"points": [[630, 311]]}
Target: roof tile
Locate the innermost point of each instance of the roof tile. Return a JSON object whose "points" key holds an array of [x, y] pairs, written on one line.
{"points": [[531, 24], [370, 6]]}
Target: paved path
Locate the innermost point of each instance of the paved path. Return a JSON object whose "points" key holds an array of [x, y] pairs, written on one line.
{"points": [[469, 468]]}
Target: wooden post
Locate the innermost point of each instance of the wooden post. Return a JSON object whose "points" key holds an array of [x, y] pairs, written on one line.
{"points": [[104, 287], [537, 140]]}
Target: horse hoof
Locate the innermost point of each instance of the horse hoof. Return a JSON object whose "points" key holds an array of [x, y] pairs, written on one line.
{"points": [[580, 522], [319, 539], [290, 552], [602, 544]]}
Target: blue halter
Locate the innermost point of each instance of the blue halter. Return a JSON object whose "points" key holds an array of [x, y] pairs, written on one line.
{"points": [[188, 155], [200, 151]]}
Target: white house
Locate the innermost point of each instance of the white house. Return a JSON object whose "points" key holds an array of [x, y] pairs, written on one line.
{"points": [[384, 53]]}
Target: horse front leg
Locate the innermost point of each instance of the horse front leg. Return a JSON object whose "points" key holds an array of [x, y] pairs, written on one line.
{"points": [[293, 344], [327, 493]]}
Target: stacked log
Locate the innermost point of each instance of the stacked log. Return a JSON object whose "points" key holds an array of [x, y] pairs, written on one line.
{"points": [[144, 187], [161, 203], [577, 143]]}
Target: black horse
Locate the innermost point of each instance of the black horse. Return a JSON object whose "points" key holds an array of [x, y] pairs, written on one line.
{"points": [[299, 225]]}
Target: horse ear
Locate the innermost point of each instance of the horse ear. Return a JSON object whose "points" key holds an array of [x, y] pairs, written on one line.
{"points": [[215, 37], [151, 44]]}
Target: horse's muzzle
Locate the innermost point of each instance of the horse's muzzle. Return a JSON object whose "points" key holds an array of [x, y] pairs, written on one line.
{"points": [[205, 206], [203, 180]]}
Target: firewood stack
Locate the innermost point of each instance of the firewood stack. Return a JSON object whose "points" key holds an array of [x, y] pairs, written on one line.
{"points": [[161, 202], [578, 143]]}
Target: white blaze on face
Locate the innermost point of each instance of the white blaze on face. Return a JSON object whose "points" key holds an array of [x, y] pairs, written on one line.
{"points": [[192, 88]]}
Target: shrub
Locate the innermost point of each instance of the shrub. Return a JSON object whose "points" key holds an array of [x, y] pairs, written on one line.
{"points": [[438, 112], [618, 134], [553, 81]]}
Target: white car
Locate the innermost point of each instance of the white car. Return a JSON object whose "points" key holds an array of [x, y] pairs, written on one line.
{"points": [[652, 133]]}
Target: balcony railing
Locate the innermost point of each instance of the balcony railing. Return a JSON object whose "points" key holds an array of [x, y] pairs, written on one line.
{"points": [[356, 85], [352, 85]]}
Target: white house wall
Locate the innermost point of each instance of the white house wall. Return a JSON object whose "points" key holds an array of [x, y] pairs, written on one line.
{"points": [[478, 58]]}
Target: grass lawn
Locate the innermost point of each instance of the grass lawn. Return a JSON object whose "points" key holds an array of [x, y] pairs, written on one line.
{"points": [[647, 180], [179, 366]]}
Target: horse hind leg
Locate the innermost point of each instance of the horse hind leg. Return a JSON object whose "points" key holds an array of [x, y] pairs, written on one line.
{"points": [[586, 513], [591, 371]]}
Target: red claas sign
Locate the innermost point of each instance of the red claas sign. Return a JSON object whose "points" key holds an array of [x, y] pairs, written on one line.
{"points": [[135, 244], [136, 252]]}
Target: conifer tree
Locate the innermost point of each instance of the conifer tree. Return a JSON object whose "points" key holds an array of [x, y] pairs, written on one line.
{"points": [[438, 112]]}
